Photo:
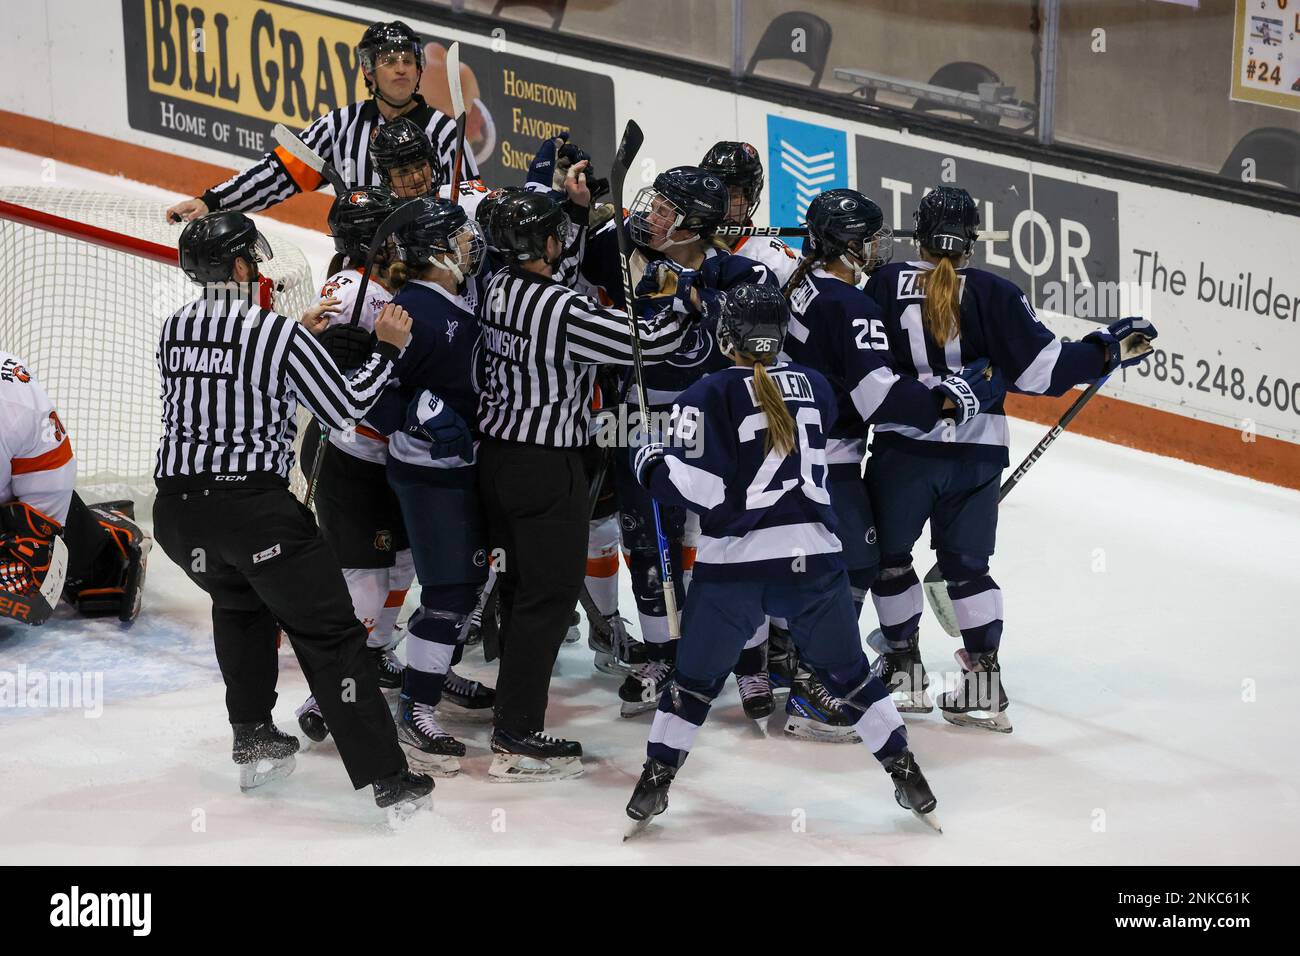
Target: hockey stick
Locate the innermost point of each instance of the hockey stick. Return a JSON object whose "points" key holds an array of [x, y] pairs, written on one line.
{"points": [[628, 147], [594, 617], [799, 232], [936, 589], [458, 109], [295, 147]]}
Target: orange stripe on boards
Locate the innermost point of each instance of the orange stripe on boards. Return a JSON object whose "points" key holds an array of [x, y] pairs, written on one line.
{"points": [[1153, 430], [605, 566], [167, 170], [54, 458]]}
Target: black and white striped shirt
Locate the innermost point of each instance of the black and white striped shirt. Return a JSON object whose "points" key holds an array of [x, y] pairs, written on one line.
{"points": [[341, 137], [541, 343], [233, 375]]}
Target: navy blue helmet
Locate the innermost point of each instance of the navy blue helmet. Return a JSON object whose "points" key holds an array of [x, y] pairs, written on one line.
{"points": [[753, 319], [947, 222]]}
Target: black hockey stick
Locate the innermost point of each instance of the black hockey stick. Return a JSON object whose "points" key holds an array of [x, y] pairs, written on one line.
{"points": [[936, 589], [799, 232], [628, 147]]}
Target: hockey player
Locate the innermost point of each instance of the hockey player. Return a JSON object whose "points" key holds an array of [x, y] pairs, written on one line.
{"points": [[740, 168], [432, 453], [941, 316], [404, 159], [767, 545], [51, 542], [836, 329], [672, 223], [357, 510]]}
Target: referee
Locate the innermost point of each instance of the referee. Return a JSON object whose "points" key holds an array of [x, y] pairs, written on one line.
{"points": [[392, 58], [232, 376], [541, 345]]}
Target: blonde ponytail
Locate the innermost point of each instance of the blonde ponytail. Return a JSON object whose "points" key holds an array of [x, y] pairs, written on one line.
{"points": [[780, 424], [942, 307], [399, 273]]}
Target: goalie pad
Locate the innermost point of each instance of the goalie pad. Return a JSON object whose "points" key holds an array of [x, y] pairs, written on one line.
{"points": [[109, 578], [33, 564]]}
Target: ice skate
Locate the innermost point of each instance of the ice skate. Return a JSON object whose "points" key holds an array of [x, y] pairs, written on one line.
{"points": [[428, 746], [462, 697], [911, 789], [617, 654], [979, 700], [813, 714], [650, 798], [533, 758], [903, 673], [640, 692], [264, 754]]}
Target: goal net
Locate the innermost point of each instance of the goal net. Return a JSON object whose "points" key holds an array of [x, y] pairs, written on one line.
{"points": [[87, 279]]}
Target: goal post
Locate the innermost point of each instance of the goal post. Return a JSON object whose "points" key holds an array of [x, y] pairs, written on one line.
{"points": [[86, 280]]}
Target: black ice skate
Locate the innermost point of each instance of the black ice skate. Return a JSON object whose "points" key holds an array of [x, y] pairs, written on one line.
{"points": [[533, 758], [617, 652], [574, 634], [903, 673], [979, 700], [263, 753], [754, 682], [402, 794], [388, 666], [911, 789], [462, 697], [640, 692], [650, 798], [782, 659], [428, 747], [311, 721], [813, 714]]}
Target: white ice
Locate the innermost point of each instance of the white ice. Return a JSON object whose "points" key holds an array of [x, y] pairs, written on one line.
{"points": [[1151, 632]]}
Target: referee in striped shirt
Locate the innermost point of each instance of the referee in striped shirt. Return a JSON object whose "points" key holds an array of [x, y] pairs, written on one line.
{"points": [[391, 58], [232, 375], [541, 345]]}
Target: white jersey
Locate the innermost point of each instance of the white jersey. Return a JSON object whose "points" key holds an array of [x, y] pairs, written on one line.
{"points": [[362, 442], [771, 252], [471, 194], [37, 466]]}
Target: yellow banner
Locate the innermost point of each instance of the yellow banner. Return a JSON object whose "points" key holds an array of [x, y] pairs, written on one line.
{"points": [[262, 60]]}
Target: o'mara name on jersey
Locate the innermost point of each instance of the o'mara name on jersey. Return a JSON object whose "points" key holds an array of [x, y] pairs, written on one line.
{"points": [[202, 359]]}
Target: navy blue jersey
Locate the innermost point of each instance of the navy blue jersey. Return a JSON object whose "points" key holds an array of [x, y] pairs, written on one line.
{"points": [[699, 353], [439, 358], [762, 516], [838, 330], [997, 323]]}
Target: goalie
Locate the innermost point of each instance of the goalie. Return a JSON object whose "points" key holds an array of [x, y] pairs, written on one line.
{"points": [[51, 542]]}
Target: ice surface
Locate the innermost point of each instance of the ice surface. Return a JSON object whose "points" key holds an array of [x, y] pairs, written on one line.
{"points": [[1151, 637]]}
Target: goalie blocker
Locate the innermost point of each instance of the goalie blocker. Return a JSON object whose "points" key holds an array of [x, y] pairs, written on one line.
{"points": [[33, 564]]}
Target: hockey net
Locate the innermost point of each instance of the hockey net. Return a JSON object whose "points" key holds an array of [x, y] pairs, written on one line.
{"points": [[88, 278]]}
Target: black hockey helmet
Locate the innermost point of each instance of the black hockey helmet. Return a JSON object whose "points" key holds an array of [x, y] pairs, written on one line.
{"points": [[845, 223], [442, 234], [737, 165], [388, 37], [208, 246], [355, 216], [401, 142], [947, 222], [684, 197], [753, 319], [483, 211], [521, 222]]}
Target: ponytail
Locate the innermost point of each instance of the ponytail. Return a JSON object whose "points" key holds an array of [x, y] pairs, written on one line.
{"points": [[806, 265], [780, 424], [336, 264], [942, 306], [399, 273]]}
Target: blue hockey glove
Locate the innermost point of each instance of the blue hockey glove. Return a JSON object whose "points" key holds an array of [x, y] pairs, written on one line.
{"points": [[541, 171], [644, 459], [665, 279], [430, 418], [972, 390], [1126, 342]]}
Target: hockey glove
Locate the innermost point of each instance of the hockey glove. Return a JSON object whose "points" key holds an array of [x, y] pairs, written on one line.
{"points": [[665, 279], [645, 459], [433, 420], [972, 390], [25, 547], [1125, 342], [542, 170], [348, 345]]}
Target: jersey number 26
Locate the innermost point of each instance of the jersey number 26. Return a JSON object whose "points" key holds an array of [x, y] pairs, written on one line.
{"points": [[762, 492]]}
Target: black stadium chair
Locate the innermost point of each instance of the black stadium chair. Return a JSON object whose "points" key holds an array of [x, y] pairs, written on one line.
{"points": [[965, 77], [554, 7], [1276, 153], [778, 41]]}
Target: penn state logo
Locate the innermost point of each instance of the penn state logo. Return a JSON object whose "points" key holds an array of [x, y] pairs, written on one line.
{"points": [[696, 347], [480, 558], [383, 541], [871, 535]]}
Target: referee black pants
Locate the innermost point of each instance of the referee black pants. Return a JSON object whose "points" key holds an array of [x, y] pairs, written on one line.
{"points": [[535, 502], [260, 556]]}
